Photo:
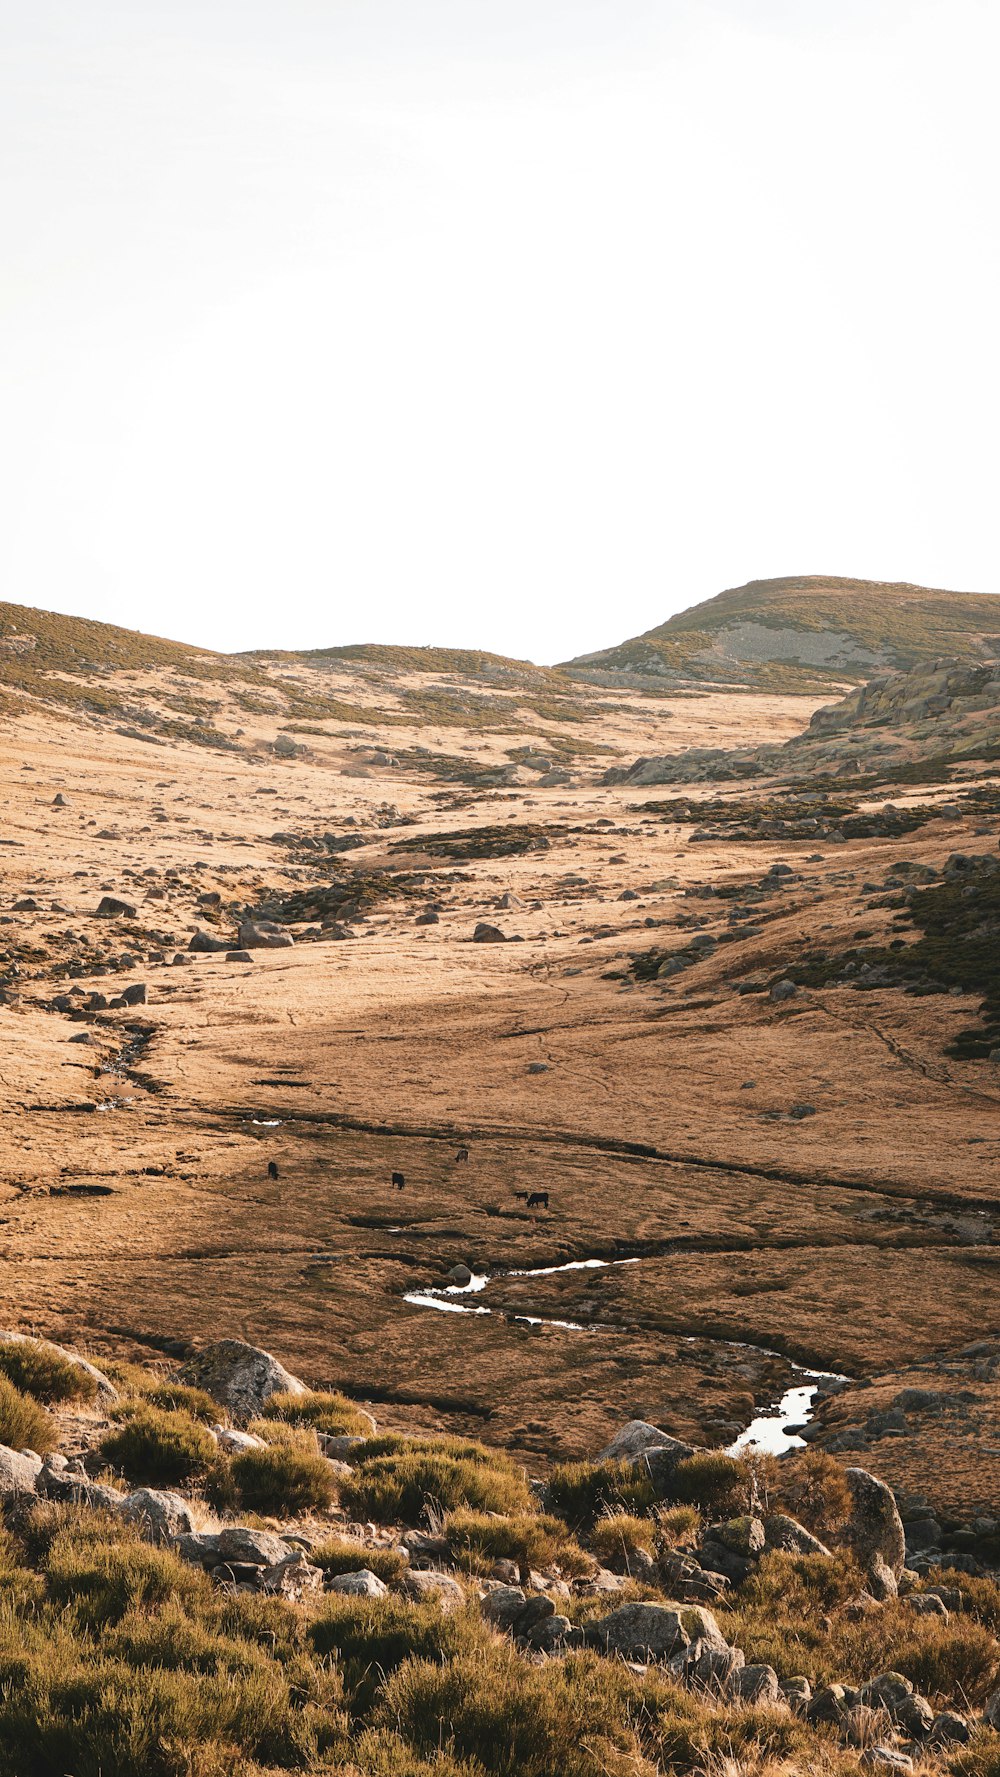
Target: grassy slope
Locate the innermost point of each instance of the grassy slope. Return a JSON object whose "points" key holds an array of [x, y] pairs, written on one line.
{"points": [[907, 624]]}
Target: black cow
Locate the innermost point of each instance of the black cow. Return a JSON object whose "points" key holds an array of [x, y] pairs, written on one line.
{"points": [[538, 1200], [272, 1169], [521, 1196], [463, 1154], [398, 1180]]}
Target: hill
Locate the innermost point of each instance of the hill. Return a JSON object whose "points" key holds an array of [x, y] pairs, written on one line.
{"points": [[804, 632]]}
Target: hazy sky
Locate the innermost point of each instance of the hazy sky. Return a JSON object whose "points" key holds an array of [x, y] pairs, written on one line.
{"points": [[513, 323]]}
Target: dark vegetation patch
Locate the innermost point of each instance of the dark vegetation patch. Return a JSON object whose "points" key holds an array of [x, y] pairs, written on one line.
{"points": [[481, 842], [959, 946], [788, 817]]}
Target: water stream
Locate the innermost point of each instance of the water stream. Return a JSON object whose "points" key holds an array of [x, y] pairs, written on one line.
{"points": [[770, 1432]]}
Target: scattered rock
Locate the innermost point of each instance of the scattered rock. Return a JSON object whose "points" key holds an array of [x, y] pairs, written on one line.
{"points": [[159, 1517], [240, 1377], [363, 1584]]}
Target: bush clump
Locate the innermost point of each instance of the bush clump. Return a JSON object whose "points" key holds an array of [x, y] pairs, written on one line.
{"points": [[340, 1555], [712, 1481], [532, 1539], [330, 1413], [279, 1478], [42, 1371], [24, 1425], [581, 1491], [157, 1448], [619, 1536], [400, 1488]]}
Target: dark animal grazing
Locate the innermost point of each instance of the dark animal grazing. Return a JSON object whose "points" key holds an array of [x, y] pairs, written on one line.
{"points": [[398, 1180], [463, 1154], [272, 1169], [538, 1199], [522, 1196]]}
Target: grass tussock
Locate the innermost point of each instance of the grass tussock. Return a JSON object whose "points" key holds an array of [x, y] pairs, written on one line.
{"points": [[280, 1478], [24, 1425], [399, 1480], [155, 1447], [42, 1372], [532, 1539], [581, 1492], [340, 1555], [327, 1412]]}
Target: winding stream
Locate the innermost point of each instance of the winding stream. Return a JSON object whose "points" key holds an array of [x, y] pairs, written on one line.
{"points": [[770, 1432]]}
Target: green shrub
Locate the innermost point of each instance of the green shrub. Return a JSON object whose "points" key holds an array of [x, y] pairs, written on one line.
{"points": [[338, 1555], [156, 1448], [712, 1481], [677, 1525], [101, 1572], [178, 1397], [399, 1489], [532, 1539], [618, 1536], [581, 1491], [43, 1372], [371, 1637], [24, 1425], [331, 1413], [280, 1478]]}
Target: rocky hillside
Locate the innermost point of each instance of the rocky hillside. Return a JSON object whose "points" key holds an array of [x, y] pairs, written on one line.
{"points": [[922, 726], [802, 632], [214, 1569]]}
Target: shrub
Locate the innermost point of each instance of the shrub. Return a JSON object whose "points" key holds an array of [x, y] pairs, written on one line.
{"points": [[812, 1486], [280, 1478], [331, 1413], [339, 1555], [677, 1525], [101, 1572], [618, 1536], [394, 1489], [178, 1397], [712, 1481], [371, 1637], [532, 1539], [156, 1448], [581, 1491], [24, 1425], [43, 1372]]}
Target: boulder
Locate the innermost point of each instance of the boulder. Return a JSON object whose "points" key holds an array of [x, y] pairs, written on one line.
{"points": [[742, 1536], [109, 907], [203, 942], [711, 1668], [487, 934], [293, 1577], [654, 1631], [875, 1528], [19, 1473], [253, 1548], [73, 1488], [201, 1548], [159, 1517], [233, 1441], [444, 1588], [240, 1377], [660, 1464], [263, 935], [363, 1584], [633, 1440], [504, 1606], [782, 1532], [755, 1684], [991, 1711], [949, 1729]]}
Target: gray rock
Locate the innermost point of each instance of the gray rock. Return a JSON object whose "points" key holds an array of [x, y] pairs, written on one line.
{"points": [[875, 1528], [75, 1489], [460, 1274], [949, 1729], [782, 1532], [661, 1463], [928, 1604], [885, 1758], [233, 1441], [159, 1516], [19, 1473], [263, 935], [240, 1377], [797, 1693], [487, 934], [552, 1630], [363, 1584], [204, 943], [444, 1588], [782, 990], [109, 907], [634, 1439], [710, 1668], [200, 1547], [293, 1577], [504, 1606], [654, 1631], [755, 1684], [253, 1548], [991, 1711]]}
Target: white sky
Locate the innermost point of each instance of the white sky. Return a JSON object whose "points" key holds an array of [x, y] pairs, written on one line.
{"points": [[509, 323]]}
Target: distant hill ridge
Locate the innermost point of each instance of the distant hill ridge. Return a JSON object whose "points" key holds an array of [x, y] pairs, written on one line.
{"points": [[805, 632]]}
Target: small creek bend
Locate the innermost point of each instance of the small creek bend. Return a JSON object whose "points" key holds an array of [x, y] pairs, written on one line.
{"points": [[771, 1431]]}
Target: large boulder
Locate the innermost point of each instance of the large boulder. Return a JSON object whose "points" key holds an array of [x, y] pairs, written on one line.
{"points": [[204, 943], [363, 1584], [158, 1516], [240, 1377], [262, 934], [633, 1440], [655, 1631], [875, 1528], [251, 1548], [18, 1473], [105, 1388]]}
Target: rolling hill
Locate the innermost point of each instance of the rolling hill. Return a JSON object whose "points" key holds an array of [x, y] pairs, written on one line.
{"points": [[804, 632]]}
